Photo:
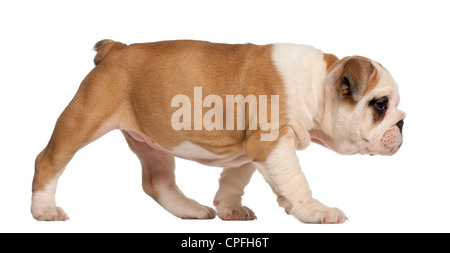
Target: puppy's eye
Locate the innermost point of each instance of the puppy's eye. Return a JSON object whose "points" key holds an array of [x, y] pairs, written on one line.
{"points": [[379, 104]]}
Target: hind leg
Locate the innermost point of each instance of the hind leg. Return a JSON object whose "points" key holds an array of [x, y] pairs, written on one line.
{"points": [[158, 181], [89, 115], [73, 131]]}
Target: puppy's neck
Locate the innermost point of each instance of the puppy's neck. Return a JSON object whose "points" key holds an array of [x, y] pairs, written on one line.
{"points": [[320, 137]]}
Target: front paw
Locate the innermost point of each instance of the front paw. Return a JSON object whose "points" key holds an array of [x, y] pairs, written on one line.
{"points": [[313, 211], [233, 211], [48, 213]]}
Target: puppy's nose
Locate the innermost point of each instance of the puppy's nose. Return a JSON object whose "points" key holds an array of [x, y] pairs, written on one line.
{"points": [[400, 125]]}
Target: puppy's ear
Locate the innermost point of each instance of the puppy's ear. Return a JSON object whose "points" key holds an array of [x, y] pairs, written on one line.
{"points": [[355, 76]]}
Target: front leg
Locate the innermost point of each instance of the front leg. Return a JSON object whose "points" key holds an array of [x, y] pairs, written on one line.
{"points": [[228, 199], [282, 171]]}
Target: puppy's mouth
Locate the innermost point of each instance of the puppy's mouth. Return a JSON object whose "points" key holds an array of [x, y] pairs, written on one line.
{"points": [[388, 144], [392, 140]]}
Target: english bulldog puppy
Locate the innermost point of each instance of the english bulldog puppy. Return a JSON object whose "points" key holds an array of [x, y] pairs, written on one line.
{"points": [[241, 107]]}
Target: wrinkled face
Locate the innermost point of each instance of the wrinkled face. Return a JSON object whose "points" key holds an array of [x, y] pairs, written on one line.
{"points": [[364, 118]]}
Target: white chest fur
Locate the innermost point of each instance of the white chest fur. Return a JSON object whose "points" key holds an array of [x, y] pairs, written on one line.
{"points": [[303, 71]]}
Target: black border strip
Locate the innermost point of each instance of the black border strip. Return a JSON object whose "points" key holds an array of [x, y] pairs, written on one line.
{"points": [[226, 242]]}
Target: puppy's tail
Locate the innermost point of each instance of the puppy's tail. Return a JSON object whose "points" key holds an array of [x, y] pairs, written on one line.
{"points": [[103, 47]]}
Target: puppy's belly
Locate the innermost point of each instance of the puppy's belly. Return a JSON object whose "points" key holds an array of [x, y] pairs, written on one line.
{"points": [[190, 151]]}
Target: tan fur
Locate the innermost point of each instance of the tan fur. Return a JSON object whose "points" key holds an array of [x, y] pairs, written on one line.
{"points": [[218, 68], [146, 73], [330, 59], [356, 72]]}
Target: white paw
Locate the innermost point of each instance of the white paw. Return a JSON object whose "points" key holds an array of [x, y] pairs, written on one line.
{"points": [[49, 213], [315, 212], [201, 212], [229, 211]]}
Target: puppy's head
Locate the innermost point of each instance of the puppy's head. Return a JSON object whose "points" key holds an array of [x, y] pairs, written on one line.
{"points": [[364, 114]]}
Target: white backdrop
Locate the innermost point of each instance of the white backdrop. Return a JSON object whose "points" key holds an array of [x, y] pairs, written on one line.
{"points": [[46, 51]]}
